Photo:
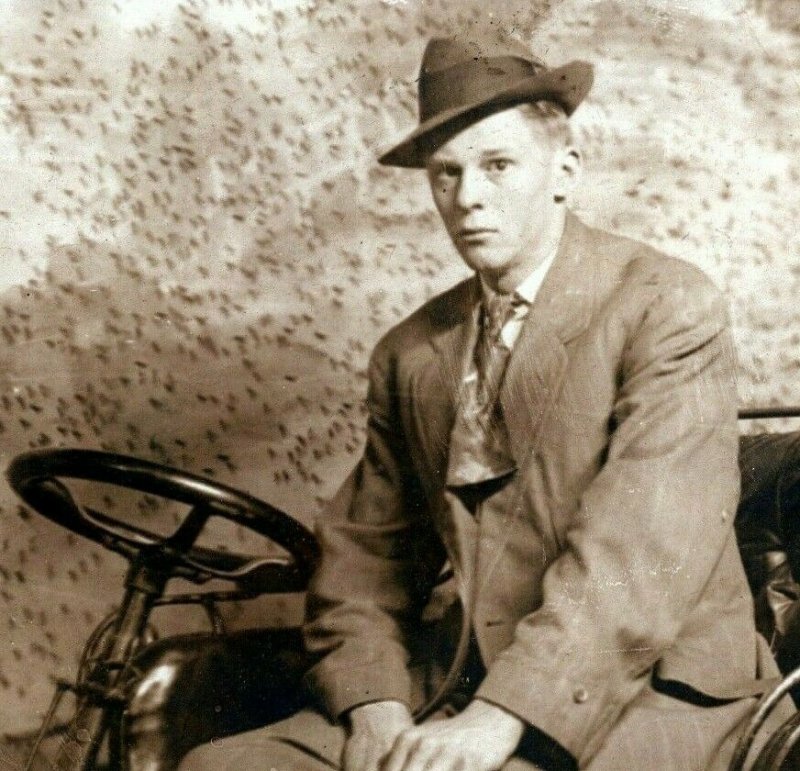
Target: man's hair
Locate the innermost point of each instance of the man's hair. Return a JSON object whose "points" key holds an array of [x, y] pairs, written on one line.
{"points": [[549, 117]]}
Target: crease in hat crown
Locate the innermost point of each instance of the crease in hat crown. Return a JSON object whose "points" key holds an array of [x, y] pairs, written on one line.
{"points": [[462, 81]]}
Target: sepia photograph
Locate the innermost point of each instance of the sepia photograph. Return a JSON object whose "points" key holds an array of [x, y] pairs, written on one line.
{"points": [[399, 385]]}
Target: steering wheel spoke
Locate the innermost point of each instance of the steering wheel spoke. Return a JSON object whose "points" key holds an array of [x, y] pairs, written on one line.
{"points": [[36, 477]]}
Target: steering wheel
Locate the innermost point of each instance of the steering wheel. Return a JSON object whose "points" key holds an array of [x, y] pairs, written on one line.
{"points": [[35, 476]]}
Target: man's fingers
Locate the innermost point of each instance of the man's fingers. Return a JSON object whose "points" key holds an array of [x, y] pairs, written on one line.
{"points": [[426, 757], [361, 755], [415, 753], [398, 756]]}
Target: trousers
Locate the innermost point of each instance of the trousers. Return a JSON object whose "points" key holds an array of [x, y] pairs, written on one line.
{"points": [[682, 737]]}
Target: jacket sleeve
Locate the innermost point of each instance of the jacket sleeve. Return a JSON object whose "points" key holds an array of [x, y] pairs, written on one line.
{"points": [[378, 566], [649, 529]]}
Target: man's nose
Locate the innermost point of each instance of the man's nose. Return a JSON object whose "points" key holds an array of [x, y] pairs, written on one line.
{"points": [[471, 189]]}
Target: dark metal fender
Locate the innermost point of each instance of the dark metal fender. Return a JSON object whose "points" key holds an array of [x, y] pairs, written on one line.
{"points": [[195, 688]]}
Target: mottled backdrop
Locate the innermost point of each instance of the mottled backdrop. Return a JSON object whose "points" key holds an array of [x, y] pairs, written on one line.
{"points": [[198, 249]]}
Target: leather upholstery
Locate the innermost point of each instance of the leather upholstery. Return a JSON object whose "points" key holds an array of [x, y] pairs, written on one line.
{"points": [[768, 532]]}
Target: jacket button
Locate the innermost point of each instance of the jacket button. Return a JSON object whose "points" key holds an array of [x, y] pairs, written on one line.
{"points": [[580, 695]]}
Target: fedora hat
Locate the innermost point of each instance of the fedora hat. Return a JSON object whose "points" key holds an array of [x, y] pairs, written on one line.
{"points": [[461, 83]]}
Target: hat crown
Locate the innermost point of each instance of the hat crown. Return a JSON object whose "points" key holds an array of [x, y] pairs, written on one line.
{"points": [[443, 53], [457, 72]]}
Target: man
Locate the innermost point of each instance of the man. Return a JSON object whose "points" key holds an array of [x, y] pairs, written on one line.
{"points": [[559, 429]]}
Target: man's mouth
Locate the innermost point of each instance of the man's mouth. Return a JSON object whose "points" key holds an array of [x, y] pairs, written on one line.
{"points": [[470, 234]]}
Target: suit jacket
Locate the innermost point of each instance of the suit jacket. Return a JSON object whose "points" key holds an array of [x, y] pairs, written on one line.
{"points": [[612, 560]]}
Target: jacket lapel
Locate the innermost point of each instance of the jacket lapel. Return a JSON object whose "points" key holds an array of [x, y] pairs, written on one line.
{"points": [[436, 383], [535, 372], [538, 363]]}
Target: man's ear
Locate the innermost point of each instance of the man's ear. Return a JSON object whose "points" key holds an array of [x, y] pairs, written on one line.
{"points": [[569, 165]]}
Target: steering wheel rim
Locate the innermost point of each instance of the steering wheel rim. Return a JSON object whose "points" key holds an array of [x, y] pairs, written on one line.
{"points": [[35, 477]]}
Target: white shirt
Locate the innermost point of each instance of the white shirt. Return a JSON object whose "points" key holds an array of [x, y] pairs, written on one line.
{"points": [[527, 290]]}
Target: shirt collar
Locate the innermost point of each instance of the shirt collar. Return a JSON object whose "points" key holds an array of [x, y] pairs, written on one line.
{"points": [[529, 287]]}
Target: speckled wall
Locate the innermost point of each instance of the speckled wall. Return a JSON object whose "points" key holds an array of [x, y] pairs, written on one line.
{"points": [[198, 249]]}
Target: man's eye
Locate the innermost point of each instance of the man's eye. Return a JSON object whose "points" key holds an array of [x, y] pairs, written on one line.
{"points": [[499, 164], [447, 172]]}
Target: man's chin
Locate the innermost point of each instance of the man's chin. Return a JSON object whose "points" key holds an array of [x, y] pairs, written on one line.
{"points": [[482, 259]]}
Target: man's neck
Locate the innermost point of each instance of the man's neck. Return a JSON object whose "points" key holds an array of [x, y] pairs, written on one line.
{"points": [[543, 250]]}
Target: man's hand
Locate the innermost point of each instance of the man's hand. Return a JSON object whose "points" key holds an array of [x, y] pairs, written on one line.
{"points": [[481, 738], [374, 728]]}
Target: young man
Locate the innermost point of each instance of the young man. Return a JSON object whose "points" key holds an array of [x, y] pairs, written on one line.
{"points": [[561, 430]]}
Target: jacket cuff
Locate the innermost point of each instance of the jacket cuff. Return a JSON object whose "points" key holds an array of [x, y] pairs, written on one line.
{"points": [[565, 709], [340, 689]]}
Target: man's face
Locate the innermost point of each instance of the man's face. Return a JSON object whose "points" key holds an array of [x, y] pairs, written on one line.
{"points": [[494, 185]]}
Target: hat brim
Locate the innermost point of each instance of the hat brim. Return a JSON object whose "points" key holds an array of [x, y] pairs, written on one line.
{"points": [[567, 86]]}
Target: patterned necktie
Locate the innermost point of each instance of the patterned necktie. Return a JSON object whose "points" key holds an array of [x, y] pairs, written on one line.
{"points": [[491, 353], [479, 448]]}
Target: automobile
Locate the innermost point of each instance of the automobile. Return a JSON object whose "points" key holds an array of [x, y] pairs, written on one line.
{"points": [[140, 703]]}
